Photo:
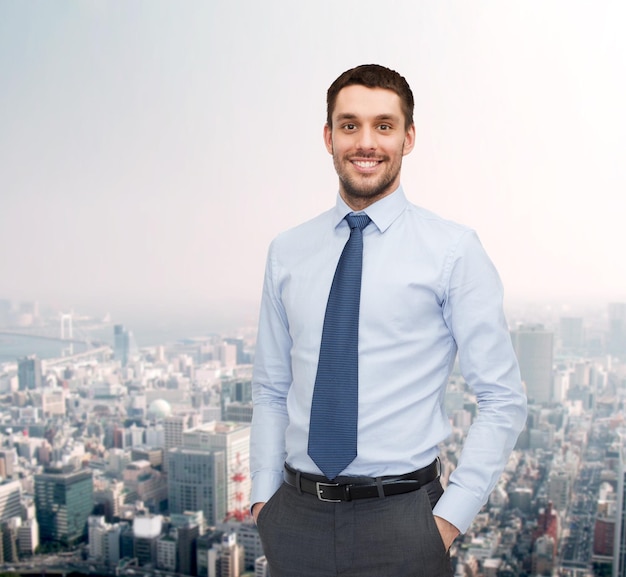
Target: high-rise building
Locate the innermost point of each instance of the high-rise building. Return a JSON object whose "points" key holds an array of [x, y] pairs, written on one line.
{"points": [[8, 458], [521, 498], [227, 354], [204, 552], [166, 552], [28, 537], [9, 531], [547, 524], [543, 556], [64, 501], [109, 494], [10, 500], [604, 536], [126, 541], [189, 525], [619, 547], [29, 373], [96, 532], [239, 347], [534, 347], [231, 559], [112, 545], [571, 334], [237, 390], [173, 428], [197, 482], [117, 461], [53, 403], [617, 330], [233, 439], [124, 345], [186, 544], [146, 532], [559, 488]]}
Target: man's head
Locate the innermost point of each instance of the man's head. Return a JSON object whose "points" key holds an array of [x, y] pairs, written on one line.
{"points": [[372, 76], [369, 129]]}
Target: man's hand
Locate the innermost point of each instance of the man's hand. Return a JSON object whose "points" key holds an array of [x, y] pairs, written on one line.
{"points": [[256, 509], [447, 530]]}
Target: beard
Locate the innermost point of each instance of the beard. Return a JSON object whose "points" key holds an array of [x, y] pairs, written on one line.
{"points": [[365, 186]]}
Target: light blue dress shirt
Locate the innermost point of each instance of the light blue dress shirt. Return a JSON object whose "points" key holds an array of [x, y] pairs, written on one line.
{"points": [[428, 289]]}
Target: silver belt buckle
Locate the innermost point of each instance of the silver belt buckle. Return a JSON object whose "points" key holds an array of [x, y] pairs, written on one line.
{"points": [[319, 489]]}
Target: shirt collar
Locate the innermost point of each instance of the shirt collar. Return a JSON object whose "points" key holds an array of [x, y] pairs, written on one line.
{"points": [[383, 212]]}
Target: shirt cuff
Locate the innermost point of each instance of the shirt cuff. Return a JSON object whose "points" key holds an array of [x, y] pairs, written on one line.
{"points": [[264, 485], [458, 507]]}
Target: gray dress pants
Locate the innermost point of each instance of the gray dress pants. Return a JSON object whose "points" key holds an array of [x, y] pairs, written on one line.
{"points": [[394, 536]]}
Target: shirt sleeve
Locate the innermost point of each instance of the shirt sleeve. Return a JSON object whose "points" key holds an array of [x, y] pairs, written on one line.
{"points": [[474, 314], [271, 380]]}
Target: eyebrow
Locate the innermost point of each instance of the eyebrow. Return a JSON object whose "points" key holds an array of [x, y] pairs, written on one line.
{"points": [[351, 116]]}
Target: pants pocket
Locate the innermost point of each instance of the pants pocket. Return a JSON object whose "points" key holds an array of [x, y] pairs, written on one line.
{"points": [[265, 511]]}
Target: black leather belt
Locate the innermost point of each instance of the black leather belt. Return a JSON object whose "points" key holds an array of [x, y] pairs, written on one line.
{"points": [[349, 488]]}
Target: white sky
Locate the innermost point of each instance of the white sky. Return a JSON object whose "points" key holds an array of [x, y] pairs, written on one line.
{"points": [[150, 150]]}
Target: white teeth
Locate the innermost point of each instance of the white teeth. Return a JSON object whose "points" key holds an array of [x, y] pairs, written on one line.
{"points": [[366, 163]]}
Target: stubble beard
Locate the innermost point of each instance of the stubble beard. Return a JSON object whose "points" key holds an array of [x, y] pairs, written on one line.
{"points": [[364, 187]]}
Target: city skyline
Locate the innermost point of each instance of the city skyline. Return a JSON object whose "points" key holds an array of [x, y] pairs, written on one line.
{"points": [[133, 429], [149, 153]]}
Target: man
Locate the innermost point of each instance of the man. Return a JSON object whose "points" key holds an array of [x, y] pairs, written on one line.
{"points": [[427, 290]]}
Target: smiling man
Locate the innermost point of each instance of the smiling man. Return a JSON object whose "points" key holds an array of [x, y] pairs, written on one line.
{"points": [[363, 313], [368, 137]]}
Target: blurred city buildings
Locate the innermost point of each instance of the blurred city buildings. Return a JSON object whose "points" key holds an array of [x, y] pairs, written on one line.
{"points": [[116, 458]]}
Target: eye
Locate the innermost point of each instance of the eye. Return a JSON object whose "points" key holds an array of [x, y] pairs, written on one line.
{"points": [[384, 127], [349, 127]]}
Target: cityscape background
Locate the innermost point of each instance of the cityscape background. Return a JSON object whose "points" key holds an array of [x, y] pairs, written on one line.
{"points": [[150, 151]]}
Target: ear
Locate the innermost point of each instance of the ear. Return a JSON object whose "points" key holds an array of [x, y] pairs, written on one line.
{"points": [[409, 140], [328, 138]]}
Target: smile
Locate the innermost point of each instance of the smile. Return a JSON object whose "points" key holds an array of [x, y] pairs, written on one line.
{"points": [[366, 163]]}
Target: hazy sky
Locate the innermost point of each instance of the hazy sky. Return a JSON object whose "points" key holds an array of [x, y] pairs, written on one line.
{"points": [[150, 150]]}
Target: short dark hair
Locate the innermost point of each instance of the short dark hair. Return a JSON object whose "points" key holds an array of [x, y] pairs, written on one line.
{"points": [[372, 76]]}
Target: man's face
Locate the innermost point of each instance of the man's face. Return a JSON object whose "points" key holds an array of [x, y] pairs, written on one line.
{"points": [[368, 140]]}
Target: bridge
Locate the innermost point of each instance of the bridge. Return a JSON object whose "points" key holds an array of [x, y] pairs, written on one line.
{"points": [[65, 334], [84, 341], [102, 351]]}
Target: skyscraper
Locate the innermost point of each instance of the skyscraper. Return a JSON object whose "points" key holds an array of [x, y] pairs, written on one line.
{"points": [[29, 373], [617, 330], [10, 500], [173, 428], [233, 439], [186, 544], [197, 482], [534, 347], [64, 501], [124, 345], [619, 548], [8, 458], [571, 333]]}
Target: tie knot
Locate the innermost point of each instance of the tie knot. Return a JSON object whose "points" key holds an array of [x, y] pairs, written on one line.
{"points": [[359, 221]]}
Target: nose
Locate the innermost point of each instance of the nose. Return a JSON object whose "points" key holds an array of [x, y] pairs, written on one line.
{"points": [[367, 138]]}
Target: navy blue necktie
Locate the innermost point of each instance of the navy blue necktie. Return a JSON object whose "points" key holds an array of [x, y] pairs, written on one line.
{"points": [[334, 410]]}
